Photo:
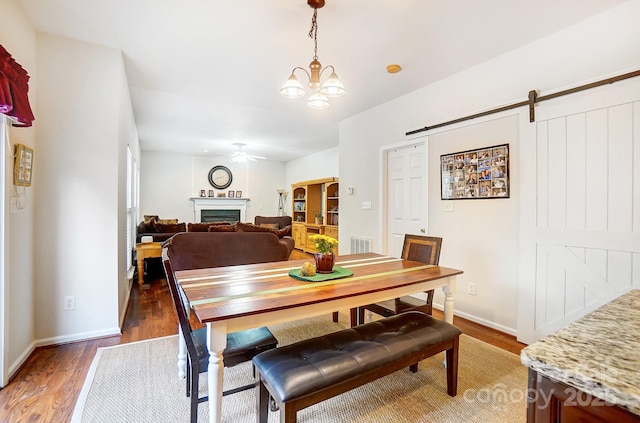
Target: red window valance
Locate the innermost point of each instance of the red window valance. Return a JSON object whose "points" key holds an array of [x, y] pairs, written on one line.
{"points": [[14, 90]]}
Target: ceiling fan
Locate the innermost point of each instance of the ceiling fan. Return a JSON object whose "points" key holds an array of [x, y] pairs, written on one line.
{"points": [[242, 156]]}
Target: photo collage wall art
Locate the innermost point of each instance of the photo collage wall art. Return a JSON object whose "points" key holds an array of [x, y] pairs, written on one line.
{"points": [[473, 174]]}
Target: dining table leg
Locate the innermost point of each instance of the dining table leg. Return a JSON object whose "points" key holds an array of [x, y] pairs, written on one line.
{"points": [[216, 343], [182, 355], [449, 289]]}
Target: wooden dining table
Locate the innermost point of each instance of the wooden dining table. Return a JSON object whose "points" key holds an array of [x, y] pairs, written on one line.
{"points": [[235, 298]]}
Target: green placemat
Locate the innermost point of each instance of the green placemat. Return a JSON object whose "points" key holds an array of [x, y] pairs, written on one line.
{"points": [[338, 272]]}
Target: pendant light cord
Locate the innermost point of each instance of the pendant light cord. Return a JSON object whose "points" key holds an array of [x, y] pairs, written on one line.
{"points": [[313, 33]]}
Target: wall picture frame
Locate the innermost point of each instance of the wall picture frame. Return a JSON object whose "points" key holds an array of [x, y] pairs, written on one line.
{"points": [[211, 193], [23, 166], [231, 194], [482, 173]]}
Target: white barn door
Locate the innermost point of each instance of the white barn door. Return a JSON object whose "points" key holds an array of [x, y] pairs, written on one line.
{"points": [[585, 239]]}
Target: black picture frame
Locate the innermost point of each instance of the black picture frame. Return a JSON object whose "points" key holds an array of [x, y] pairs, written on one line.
{"points": [[481, 173]]}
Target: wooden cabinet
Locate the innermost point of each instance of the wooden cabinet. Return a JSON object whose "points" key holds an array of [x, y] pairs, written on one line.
{"points": [[311, 199], [550, 401], [331, 231], [299, 234]]}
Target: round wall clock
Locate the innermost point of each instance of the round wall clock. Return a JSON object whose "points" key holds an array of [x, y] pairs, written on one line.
{"points": [[220, 177]]}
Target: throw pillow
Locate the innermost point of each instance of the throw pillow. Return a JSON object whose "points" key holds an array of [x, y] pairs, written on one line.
{"points": [[204, 226], [249, 227], [142, 228], [148, 221], [168, 221], [222, 228], [170, 228], [270, 225]]}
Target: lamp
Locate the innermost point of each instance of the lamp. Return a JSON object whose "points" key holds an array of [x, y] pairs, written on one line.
{"points": [[282, 193], [332, 87]]}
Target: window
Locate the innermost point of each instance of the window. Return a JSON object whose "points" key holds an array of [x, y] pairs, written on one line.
{"points": [[133, 178]]}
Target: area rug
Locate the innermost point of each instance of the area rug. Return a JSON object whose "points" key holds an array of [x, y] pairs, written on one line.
{"points": [[138, 382]]}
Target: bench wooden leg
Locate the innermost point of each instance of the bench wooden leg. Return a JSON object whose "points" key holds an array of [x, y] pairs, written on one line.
{"points": [[335, 316], [452, 368], [287, 414], [361, 315], [353, 316], [262, 403]]}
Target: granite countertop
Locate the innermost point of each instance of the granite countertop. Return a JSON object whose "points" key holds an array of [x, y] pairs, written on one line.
{"points": [[598, 354]]}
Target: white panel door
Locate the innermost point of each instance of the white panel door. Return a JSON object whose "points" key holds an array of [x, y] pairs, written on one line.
{"points": [[406, 195], [587, 208]]}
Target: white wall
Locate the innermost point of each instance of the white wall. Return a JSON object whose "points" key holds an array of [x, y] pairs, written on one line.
{"points": [[598, 47], [169, 180], [17, 306], [80, 197], [479, 236]]}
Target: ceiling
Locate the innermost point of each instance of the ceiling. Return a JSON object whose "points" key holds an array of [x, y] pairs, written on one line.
{"points": [[205, 74]]}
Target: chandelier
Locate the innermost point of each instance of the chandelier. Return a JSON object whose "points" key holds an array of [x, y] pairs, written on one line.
{"points": [[332, 87]]}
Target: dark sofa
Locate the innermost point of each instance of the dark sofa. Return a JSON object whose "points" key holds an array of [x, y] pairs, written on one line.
{"points": [[159, 229], [197, 250], [281, 221]]}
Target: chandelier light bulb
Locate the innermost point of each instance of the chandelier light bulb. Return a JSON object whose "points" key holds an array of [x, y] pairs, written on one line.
{"points": [[292, 88], [318, 101], [333, 87]]}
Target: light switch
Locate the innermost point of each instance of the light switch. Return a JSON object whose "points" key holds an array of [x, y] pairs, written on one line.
{"points": [[366, 205], [448, 206]]}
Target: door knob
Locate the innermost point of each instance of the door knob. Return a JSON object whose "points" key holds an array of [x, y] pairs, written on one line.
{"points": [[422, 230]]}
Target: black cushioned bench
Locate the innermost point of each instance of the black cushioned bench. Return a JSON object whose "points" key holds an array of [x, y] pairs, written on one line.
{"points": [[310, 371]]}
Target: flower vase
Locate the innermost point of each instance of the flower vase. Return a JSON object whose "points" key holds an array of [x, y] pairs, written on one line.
{"points": [[324, 262]]}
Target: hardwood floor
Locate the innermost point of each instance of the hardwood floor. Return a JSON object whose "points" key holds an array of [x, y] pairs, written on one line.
{"points": [[45, 389]]}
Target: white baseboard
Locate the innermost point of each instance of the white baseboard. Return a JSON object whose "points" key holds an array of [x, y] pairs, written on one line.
{"points": [[483, 322], [56, 340], [126, 302], [83, 336], [15, 366]]}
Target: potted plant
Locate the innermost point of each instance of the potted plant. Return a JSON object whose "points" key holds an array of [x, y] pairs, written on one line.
{"points": [[324, 258], [318, 216]]}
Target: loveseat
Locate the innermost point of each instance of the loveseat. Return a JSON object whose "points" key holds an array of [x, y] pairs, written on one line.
{"points": [[159, 229], [283, 222], [214, 249]]}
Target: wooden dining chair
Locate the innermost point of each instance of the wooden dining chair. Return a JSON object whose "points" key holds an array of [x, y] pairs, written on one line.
{"points": [[241, 346], [425, 249]]}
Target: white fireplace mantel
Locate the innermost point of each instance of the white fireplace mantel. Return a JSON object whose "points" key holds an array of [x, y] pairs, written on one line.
{"points": [[217, 203]]}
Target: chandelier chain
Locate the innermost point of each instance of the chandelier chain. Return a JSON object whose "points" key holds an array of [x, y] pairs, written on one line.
{"points": [[313, 33]]}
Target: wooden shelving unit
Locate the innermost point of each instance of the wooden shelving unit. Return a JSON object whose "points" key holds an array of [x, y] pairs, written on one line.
{"points": [[312, 198]]}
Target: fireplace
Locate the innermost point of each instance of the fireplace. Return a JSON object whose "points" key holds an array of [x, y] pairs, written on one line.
{"points": [[208, 209], [219, 216]]}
